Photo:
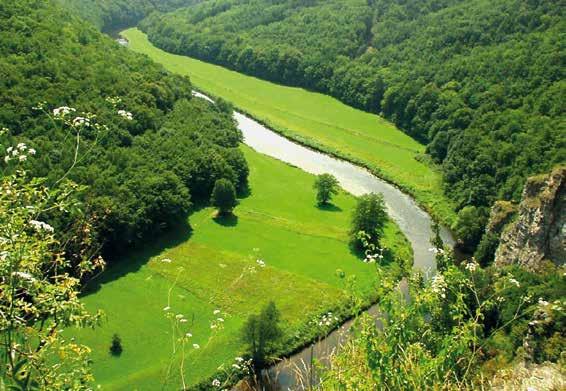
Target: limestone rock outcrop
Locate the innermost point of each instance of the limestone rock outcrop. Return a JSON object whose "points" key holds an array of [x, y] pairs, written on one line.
{"points": [[539, 230]]}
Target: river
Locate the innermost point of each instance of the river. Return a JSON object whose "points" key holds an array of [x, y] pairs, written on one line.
{"points": [[412, 220]]}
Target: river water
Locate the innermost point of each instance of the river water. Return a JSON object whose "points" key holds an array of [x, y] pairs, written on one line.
{"points": [[412, 220]]}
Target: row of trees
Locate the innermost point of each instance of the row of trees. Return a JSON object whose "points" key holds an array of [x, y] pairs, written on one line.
{"points": [[458, 75], [147, 150]]}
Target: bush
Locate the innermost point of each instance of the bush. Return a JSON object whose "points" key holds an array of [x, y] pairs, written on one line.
{"points": [[116, 346]]}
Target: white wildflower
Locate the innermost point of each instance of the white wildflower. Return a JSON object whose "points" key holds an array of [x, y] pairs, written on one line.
{"points": [[166, 308], [41, 226], [196, 346], [7, 158], [220, 320], [216, 383], [62, 111], [179, 316], [261, 263], [24, 276], [471, 266], [514, 282], [439, 286], [32, 151], [125, 114], [22, 158], [189, 335], [542, 302], [80, 121], [166, 260], [239, 359], [216, 312], [183, 320], [236, 366], [21, 146]]}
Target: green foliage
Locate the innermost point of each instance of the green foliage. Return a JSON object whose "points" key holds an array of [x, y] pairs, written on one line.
{"points": [[458, 75], [452, 326], [262, 335], [369, 217], [116, 345], [326, 185], [224, 196], [38, 295], [159, 148], [469, 226], [110, 15]]}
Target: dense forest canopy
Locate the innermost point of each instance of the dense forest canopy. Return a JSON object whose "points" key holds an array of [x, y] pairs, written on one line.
{"points": [[110, 15], [157, 150], [481, 82]]}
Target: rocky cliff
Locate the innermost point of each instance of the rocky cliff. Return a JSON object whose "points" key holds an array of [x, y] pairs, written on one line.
{"points": [[539, 230]]}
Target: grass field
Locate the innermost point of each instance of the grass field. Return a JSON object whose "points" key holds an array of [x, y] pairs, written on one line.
{"points": [[317, 120], [279, 222]]}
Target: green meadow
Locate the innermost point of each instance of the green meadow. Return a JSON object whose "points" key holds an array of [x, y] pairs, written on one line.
{"points": [[213, 266], [319, 121]]}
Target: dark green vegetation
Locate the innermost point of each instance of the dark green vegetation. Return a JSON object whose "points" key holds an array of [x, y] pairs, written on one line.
{"points": [[326, 185], [262, 334], [144, 174], [370, 218], [480, 81], [111, 15], [224, 196]]}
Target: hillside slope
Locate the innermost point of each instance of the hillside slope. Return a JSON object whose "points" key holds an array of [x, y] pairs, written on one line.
{"points": [[150, 149], [481, 82]]}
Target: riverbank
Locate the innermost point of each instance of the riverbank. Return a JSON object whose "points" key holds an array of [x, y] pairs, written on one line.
{"points": [[320, 122]]}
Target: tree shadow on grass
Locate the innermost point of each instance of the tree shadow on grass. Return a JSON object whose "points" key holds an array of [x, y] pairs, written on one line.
{"points": [[138, 256], [226, 220], [329, 207]]}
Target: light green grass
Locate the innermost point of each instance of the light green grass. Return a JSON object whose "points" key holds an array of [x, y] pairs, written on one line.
{"points": [[317, 120], [279, 222]]}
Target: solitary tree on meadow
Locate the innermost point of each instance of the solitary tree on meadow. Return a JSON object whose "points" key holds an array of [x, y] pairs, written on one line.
{"points": [[370, 217], [326, 185], [224, 196]]}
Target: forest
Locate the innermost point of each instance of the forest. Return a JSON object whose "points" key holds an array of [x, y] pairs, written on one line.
{"points": [[143, 172], [457, 75], [110, 16]]}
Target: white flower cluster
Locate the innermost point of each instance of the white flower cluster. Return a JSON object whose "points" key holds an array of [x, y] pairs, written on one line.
{"points": [[260, 263], [166, 260], [472, 266], [372, 258], [40, 226], [24, 276], [114, 100], [439, 285], [515, 282], [81, 121], [327, 319], [218, 322], [18, 153], [125, 114], [242, 365], [436, 250], [4, 131], [62, 111], [216, 383]]}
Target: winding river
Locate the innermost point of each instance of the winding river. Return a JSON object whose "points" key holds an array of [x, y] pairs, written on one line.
{"points": [[412, 220]]}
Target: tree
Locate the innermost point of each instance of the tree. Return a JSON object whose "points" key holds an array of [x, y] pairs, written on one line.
{"points": [[326, 185], [224, 196], [370, 217], [469, 226], [261, 333], [116, 346]]}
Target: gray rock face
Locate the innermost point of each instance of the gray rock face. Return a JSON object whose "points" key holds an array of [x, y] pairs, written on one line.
{"points": [[539, 232]]}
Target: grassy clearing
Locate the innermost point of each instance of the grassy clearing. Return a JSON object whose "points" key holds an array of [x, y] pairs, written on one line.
{"points": [[279, 222], [319, 121]]}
